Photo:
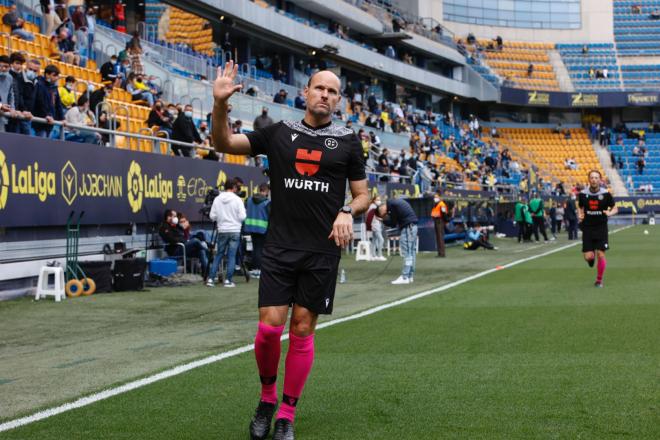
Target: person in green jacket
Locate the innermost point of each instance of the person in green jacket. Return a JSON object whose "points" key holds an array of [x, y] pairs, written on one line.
{"points": [[520, 217], [537, 211]]}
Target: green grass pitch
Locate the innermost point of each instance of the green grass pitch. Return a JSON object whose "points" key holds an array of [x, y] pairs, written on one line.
{"points": [[532, 351]]}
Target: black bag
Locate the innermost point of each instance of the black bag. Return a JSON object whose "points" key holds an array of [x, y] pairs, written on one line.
{"points": [[128, 274], [100, 272]]}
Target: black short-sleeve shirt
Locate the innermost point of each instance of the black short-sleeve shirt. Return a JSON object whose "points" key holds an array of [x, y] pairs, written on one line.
{"points": [[308, 169], [593, 205]]}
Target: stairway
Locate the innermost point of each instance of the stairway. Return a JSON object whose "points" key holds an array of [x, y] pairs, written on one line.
{"points": [[616, 182], [563, 77]]}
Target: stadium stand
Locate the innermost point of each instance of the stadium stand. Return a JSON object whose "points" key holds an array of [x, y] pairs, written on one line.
{"points": [[629, 151], [641, 77], [179, 28], [635, 30], [549, 151], [591, 66], [512, 63]]}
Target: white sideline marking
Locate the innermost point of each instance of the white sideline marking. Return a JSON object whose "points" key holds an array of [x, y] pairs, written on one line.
{"points": [[93, 398]]}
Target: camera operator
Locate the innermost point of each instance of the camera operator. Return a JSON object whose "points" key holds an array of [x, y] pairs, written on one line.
{"points": [[477, 237], [175, 229], [228, 212]]}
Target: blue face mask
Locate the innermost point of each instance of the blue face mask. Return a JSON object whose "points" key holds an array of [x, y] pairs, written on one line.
{"points": [[189, 114], [4, 74], [31, 75]]}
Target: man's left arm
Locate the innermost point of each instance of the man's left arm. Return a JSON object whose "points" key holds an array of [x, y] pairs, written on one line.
{"points": [[342, 229]]}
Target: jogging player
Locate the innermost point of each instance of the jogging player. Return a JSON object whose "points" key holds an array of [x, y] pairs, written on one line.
{"points": [[595, 205], [309, 163]]}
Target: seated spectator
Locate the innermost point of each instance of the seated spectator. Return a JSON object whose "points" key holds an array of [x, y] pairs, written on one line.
{"points": [[280, 97], [184, 130], [592, 73], [67, 93], [530, 70], [300, 101], [389, 52], [499, 42], [605, 73], [110, 69], [160, 118], [154, 88], [585, 50], [641, 163], [494, 133], [567, 134], [655, 15], [138, 89], [14, 20], [204, 133], [66, 47], [47, 102], [173, 232], [237, 127], [635, 9], [80, 115], [407, 58]]}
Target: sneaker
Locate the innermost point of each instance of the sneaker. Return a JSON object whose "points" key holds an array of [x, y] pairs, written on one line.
{"points": [[598, 284], [228, 283], [381, 258], [260, 424], [283, 430], [209, 283], [402, 280]]}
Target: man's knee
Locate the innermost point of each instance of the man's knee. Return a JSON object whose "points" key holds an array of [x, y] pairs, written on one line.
{"points": [[589, 256], [303, 321], [600, 254]]}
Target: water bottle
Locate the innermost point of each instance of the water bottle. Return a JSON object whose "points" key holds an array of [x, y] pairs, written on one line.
{"points": [[342, 277]]}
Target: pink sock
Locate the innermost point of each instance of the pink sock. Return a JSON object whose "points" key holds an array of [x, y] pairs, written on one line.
{"points": [[299, 362], [602, 263], [267, 349]]}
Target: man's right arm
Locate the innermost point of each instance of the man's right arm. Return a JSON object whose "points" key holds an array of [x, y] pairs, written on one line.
{"points": [[223, 88]]}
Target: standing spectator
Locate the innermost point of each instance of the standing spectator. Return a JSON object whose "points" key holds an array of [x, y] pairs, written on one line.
{"points": [[134, 52], [228, 212], [14, 20], [256, 224], [23, 83], [80, 115], [81, 46], [557, 218], [78, 17], [91, 25], [375, 225], [349, 92], [537, 211], [390, 52], [67, 93], [640, 165], [440, 214], [50, 19], [47, 102], [399, 213], [6, 91], [262, 120], [570, 215], [184, 130]]}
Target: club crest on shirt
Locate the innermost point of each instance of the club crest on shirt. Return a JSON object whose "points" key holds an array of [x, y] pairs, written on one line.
{"points": [[331, 143], [600, 197], [294, 136]]}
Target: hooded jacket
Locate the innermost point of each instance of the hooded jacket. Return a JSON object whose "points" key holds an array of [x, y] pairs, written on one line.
{"points": [[258, 207], [228, 211]]}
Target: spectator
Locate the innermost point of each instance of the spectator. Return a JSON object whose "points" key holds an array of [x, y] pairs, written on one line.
{"points": [[389, 52], [14, 20], [98, 96], [134, 52], [78, 17], [655, 14], [494, 133], [499, 42], [91, 24], [620, 163], [51, 20], [375, 225], [23, 84], [262, 120], [641, 163], [399, 213], [80, 115], [605, 73], [530, 70], [173, 231], [67, 93], [159, 118], [349, 92], [300, 101], [585, 50], [47, 102], [228, 212], [204, 131], [256, 224], [280, 97], [237, 127], [110, 69], [6, 91], [66, 47], [407, 58], [184, 130], [196, 246], [138, 89], [82, 47]]}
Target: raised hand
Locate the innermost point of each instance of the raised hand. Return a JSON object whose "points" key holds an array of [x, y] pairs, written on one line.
{"points": [[223, 86]]}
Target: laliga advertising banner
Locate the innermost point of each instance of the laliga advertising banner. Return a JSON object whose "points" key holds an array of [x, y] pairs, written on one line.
{"points": [[42, 181]]}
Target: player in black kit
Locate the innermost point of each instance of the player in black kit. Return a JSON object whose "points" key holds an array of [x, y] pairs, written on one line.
{"points": [[595, 205], [309, 163]]}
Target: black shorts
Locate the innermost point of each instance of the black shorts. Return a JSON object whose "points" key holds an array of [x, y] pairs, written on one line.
{"points": [[290, 276], [594, 238]]}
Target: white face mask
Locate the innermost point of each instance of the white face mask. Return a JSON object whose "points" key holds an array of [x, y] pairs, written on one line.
{"points": [[175, 220], [436, 200]]}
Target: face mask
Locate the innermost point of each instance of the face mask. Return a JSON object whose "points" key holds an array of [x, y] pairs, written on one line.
{"points": [[139, 80], [264, 113], [188, 114], [113, 62], [202, 129], [4, 74], [436, 200], [159, 107], [69, 87], [175, 220], [31, 75]]}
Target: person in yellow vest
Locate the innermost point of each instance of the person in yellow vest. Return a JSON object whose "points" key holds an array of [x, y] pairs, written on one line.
{"points": [[67, 93], [440, 214]]}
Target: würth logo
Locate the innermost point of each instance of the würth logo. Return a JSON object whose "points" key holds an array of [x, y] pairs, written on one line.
{"points": [[307, 161]]}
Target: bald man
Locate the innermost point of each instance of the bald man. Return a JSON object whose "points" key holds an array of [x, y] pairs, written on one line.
{"points": [[309, 163]]}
